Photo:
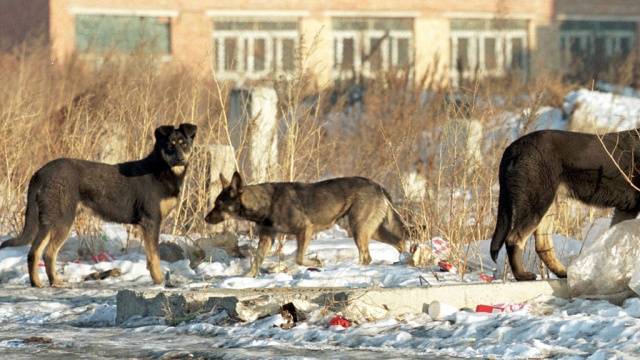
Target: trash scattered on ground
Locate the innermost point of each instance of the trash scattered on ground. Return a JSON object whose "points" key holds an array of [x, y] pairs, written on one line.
{"points": [[338, 320], [439, 311], [446, 266], [37, 340], [289, 315], [102, 257], [502, 308], [101, 275], [486, 278]]}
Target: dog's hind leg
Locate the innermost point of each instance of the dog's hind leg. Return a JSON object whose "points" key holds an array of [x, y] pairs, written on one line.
{"points": [[304, 238], [621, 215], [544, 246], [516, 241], [365, 218], [35, 253], [58, 238], [264, 245]]}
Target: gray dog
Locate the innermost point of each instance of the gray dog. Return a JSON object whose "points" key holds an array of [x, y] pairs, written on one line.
{"points": [[302, 209]]}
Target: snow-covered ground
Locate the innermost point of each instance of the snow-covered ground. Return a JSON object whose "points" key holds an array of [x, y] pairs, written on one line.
{"points": [[79, 321], [334, 248]]}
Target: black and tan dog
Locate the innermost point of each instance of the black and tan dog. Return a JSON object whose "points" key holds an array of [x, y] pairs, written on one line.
{"points": [[302, 209], [138, 192], [598, 170]]}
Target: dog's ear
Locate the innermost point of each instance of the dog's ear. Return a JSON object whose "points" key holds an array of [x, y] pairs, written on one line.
{"points": [[236, 183], [189, 130], [224, 181], [163, 131]]}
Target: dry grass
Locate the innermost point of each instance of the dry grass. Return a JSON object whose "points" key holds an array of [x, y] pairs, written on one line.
{"points": [[109, 113]]}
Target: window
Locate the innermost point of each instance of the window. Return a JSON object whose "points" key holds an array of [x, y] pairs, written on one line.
{"points": [[485, 47], [370, 45], [595, 42], [254, 48], [126, 34]]}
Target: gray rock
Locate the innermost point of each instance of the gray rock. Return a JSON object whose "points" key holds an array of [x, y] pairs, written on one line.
{"points": [[171, 252]]}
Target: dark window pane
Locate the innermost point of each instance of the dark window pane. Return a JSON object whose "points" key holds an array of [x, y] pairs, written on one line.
{"points": [[230, 54], [625, 46], [462, 60], [403, 53], [348, 54], [259, 54], [375, 53], [288, 55], [517, 54], [490, 54]]}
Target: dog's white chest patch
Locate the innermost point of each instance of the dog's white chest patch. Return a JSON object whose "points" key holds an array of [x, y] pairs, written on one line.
{"points": [[166, 205], [178, 170]]}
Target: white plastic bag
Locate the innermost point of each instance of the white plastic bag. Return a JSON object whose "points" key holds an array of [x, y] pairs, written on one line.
{"points": [[605, 265]]}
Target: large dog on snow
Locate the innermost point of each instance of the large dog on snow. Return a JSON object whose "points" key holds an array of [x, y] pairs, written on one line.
{"points": [[302, 209], [599, 170], [138, 192]]}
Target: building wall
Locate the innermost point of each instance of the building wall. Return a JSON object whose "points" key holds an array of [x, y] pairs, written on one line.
{"points": [[192, 25]]}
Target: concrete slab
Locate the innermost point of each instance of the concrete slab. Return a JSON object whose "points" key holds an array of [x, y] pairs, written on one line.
{"points": [[180, 304]]}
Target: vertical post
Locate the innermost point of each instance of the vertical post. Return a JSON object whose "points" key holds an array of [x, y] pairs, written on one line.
{"points": [[254, 131]]}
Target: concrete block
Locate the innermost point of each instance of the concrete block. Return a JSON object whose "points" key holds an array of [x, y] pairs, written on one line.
{"points": [[360, 304]]}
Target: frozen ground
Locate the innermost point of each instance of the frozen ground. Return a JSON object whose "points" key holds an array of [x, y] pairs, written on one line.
{"points": [[78, 322]]}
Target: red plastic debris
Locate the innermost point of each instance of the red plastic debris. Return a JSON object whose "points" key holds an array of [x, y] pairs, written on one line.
{"points": [[102, 256], [502, 308], [339, 320], [445, 265], [486, 278], [486, 309]]}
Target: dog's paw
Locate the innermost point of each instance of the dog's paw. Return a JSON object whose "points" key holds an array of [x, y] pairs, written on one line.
{"points": [[525, 276], [311, 263], [252, 273], [59, 284]]}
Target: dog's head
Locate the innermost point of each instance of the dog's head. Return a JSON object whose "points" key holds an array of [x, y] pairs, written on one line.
{"points": [[228, 203], [175, 144]]}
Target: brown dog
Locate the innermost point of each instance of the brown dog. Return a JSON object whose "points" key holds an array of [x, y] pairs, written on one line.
{"points": [[139, 192], [302, 209]]}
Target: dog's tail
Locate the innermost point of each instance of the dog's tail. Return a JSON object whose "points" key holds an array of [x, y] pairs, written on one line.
{"points": [[505, 210], [31, 219]]}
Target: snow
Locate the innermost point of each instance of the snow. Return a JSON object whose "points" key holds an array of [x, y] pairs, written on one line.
{"points": [[599, 110], [334, 248], [81, 319], [553, 327]]}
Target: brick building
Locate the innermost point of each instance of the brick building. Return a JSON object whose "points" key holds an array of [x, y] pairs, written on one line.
{"points": [[249, 39]]}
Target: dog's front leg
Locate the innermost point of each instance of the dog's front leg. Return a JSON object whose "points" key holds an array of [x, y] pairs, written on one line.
{"points": [[151, 236], [304, 238], [266, 239]]}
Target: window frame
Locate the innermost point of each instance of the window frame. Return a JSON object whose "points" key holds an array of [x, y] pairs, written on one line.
{"points": [[362, 46], [245, 57], [477, 52]]}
